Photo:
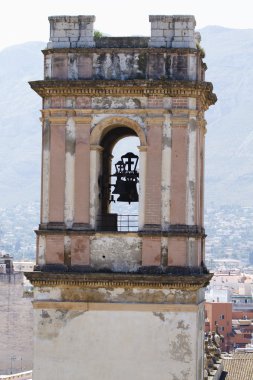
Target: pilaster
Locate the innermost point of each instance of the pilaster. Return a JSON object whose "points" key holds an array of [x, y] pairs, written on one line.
{"points": [[57, 165], [82, 172], [153, 172], [179, 166]]}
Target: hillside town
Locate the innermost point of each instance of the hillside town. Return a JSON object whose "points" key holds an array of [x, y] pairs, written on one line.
{"points": [[228, 229]]}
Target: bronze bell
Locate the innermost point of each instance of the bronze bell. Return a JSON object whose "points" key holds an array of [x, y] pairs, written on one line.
{"points": [[129, 192], [119, 186], [126, 179]]}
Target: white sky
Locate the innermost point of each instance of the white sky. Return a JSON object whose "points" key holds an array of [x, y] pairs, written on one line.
{"points": [[26, 20]]}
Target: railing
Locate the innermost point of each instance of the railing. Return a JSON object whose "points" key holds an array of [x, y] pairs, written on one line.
{"points": [[117, 222]]}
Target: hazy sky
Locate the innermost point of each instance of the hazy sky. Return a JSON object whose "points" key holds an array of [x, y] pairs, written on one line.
{"points": [[26, 20]]}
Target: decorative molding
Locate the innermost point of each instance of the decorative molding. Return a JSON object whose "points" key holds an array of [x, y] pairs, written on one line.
{"points": [[155, 50], [119, 280], [82, 120], [154, 121], [108, 123], [194, 89], [150, 230], [58, 121], [117, 306]]}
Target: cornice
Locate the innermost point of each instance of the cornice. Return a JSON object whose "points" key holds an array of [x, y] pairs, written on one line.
{"points": [[189, 233], [89, 112], [119, 280], [99, 50], [139, 88]]}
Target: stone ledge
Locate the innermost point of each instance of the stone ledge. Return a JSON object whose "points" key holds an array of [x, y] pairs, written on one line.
{"points": [[74, 19], [121, 42], [122, 280], [129, 87], [101, 48], [170, 231], [116, 306]]}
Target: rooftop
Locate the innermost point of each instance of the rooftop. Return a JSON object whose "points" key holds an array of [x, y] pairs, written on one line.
{"points": [[239, 366]]}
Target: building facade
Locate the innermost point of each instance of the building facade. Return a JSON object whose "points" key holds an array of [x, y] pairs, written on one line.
{"points": [[219, 315], [16, 326], [114, 302]]}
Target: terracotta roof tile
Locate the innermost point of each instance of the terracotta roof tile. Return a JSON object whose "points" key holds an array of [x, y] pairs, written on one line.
{"points": [[239, 366]]}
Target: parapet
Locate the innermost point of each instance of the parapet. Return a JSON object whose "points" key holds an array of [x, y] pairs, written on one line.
{"points": [[166, 32], [71, 31], [172, 31], [172, 52]]}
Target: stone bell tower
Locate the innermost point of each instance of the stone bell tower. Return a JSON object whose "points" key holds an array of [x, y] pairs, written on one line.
{"points": [[117, 303]]}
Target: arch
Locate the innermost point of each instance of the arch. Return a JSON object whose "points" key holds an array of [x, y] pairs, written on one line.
{"points": [[107, 124], [104, 135]]}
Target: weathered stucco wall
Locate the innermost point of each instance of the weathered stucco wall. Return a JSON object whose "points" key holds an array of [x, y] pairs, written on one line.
{"points": [[112, 63], [118, 253], [119, 342]]}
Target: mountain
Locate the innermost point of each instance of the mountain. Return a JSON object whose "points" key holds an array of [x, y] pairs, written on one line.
{"points": [[229, 140], [20, 132]]}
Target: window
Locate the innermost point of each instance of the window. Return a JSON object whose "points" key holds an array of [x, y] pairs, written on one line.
{"points": [[222, 316]]}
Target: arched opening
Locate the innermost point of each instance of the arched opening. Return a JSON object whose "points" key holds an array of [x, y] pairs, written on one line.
{"points": [[118, 181]]}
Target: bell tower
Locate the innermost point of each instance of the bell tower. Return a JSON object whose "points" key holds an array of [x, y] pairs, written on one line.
{"points": [[121, 296]]}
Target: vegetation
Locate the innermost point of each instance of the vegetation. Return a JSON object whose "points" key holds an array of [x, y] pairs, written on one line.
{"points": [[201, 49], [97, 34]]}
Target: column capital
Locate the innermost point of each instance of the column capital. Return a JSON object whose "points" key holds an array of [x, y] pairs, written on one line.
{"points": [[98, 148], [155, 120], [82, 119], [142, 148], [58, 121], [180, 118]]}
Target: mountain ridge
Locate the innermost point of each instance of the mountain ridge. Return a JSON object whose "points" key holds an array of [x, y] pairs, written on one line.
{"points": [[229, 153]]}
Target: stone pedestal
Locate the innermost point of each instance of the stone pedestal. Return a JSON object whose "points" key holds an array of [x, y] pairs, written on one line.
{"points": [[115, 326]]}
